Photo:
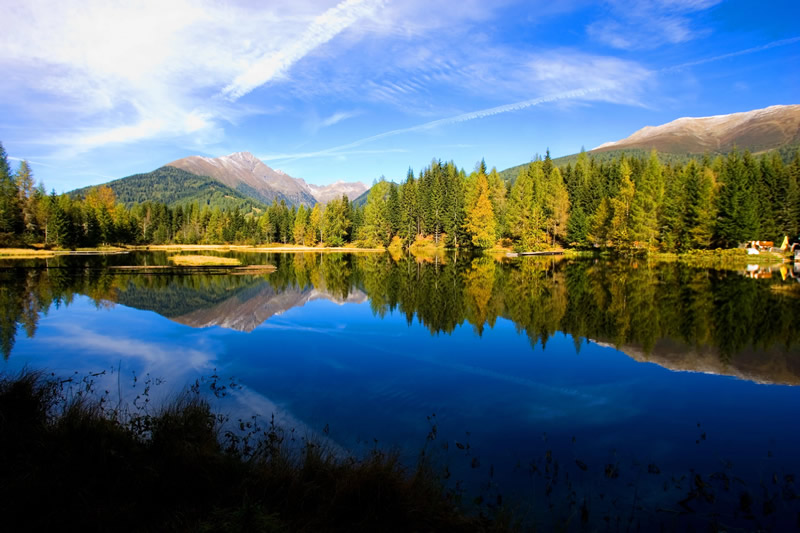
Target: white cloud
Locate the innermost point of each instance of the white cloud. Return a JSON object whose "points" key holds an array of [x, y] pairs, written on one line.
{"points": [[129, 71], [324, 28], [337, 117], [562, 76], [644, 24]]}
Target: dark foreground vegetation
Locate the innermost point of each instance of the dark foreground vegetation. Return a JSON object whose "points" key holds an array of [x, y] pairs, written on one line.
{"points": [[72, 460], [75, 463]]}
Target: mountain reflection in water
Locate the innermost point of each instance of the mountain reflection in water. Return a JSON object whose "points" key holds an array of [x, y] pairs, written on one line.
{"points": [[679, 317]]}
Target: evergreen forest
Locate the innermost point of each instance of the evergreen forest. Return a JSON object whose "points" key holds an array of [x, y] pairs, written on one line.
{"points": [[629, 203]]}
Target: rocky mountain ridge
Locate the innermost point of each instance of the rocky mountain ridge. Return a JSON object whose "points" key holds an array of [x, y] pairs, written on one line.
{"points": [[249, 175], [757, 130]]}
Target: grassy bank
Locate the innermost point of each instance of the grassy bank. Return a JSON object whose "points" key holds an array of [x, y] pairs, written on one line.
{"points": [[203, 260], [731, 258], [76, 462], [254, 248], [39, 252]]}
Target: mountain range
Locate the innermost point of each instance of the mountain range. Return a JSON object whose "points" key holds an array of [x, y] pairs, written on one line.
{"points": [[772, 128], [757, 131], [239, 179]]}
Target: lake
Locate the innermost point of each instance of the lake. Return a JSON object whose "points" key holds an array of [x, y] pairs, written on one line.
{"points": [[609, 392]]}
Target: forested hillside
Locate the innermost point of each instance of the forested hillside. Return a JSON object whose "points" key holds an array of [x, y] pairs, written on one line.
{"points": [[172, 187]]}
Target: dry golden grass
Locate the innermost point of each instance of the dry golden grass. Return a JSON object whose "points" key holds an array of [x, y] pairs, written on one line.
{"points": [[203, 260], [25, 253], [273, 247]]}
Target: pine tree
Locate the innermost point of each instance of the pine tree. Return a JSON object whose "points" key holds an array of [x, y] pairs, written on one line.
{"points": [[623, 208], [376, 229], [791, 213], [497, 195], [737, 217], [646, 204], [453, 204], [480, 222], [300, 225], [314, 225], [556, 203], [520, 204], [106, 226], [27, 198], [408, 215], [335, 222], [434, 206], [63, 231], [674, 233], [769, 205], [393, 207], [11, 222], [699, 213], [600, 223]]}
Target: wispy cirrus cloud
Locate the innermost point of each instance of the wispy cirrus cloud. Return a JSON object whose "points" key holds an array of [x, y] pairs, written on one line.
{"points": [[323, 28], [464, 117], [112, 72], [338, 117], [644, 24], [563, 76]]}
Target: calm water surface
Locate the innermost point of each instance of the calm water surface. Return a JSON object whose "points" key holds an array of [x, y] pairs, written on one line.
{"points": [[551, 382]]}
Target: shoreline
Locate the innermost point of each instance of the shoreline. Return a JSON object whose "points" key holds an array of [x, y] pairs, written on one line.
{"points": [[34, 253], [714, 257]]}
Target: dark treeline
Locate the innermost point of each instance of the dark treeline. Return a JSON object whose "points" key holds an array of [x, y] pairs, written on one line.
{"points": [[620, 302], [625, 204]]}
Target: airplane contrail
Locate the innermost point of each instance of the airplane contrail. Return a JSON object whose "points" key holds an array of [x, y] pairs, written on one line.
{"points": [[578, 93], [774, 44]]}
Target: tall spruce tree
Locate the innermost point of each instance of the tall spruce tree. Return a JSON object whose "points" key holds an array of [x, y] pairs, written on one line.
{"points": [[737, 219], [646, 204], [11, 222]]}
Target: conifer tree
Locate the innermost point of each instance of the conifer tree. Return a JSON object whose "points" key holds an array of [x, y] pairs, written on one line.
{"points": [[408, 216], [556, 203], [673, 212], [736, 211], [453, 222], [646, 204], [393, 208], [790, 213], [300, 226], [376, 229], [480, 222], [520, 205], [600, 223], [336, 222], [314, 223], [497, 195], [623, 207], [11, 223], [27, 197]]}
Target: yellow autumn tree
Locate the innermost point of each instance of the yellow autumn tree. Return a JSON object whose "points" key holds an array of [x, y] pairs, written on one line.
{"points": [[480, 223]]}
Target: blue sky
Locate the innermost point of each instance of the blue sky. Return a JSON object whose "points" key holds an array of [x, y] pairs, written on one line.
{"points": [[326, 91]]}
